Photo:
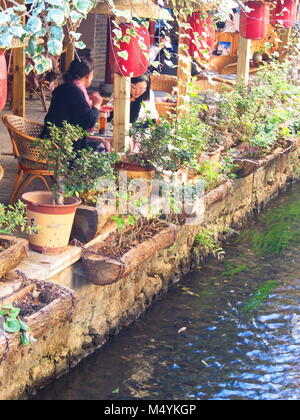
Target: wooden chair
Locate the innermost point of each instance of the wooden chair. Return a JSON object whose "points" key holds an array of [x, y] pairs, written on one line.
{"points": [[22, 133]]}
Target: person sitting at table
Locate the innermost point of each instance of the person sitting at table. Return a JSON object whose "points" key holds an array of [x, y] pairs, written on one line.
{"points": [[142, 100], [71, 103]]}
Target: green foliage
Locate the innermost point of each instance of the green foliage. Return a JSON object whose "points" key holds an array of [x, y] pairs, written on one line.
{"points": [[76, 171], [205, 244], [162, 146], [13, 218], [13, 325], [234, 271], [281, 231], [264, 291]]}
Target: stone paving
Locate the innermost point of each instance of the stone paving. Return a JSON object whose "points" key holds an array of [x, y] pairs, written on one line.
{"points": [[34, 111]]}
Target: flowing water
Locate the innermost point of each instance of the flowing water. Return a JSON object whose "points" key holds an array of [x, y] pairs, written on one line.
{"points": [[230, 331]]}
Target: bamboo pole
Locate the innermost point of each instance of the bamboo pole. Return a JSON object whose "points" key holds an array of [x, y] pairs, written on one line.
{"points": [[184, 64], [19, 79], [122, 89], [244, 56]]}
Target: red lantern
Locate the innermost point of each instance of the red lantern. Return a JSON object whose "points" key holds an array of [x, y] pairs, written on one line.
{"points": [[134, 58], [202, 35], [284, 13], [254, 23], [3, 80]]}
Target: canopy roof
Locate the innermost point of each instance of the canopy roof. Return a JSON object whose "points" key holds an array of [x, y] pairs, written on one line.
{"points": [[138, 8]]}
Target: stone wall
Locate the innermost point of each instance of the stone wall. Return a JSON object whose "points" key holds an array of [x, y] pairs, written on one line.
{"points": [[103, 311]]}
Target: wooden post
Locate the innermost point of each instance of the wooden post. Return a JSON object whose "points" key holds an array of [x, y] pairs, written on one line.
{"points": [[70, 54], [122, 87], [244, 56], [19, 82], [184, 64]]}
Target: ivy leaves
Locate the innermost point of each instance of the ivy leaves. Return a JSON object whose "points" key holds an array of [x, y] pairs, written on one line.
{"points": [[13, 325], [44, 29]]}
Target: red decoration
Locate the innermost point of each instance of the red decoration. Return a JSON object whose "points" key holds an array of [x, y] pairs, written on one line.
{"points": [[152, 30], [3, 80], [284, 13], [202, 35], [254, 24], [138, 57]]}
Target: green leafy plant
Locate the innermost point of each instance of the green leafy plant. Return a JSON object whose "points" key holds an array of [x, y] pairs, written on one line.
{"points": [[76, 171], [161, 146], [12, 324], [13, 218], [205, 244]]}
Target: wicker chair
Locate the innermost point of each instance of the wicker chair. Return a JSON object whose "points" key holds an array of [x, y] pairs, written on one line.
{"points": [[22, 133], [164, 83]]}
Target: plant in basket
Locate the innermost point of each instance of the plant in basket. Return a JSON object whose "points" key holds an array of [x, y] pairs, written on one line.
{"points": [[12, 249], [76, 171], [135, 240]]}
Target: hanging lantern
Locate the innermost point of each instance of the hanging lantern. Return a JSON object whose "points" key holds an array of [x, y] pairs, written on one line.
{"points": [[202, 35], [255, 22], [3, 80], [284, 13], [130, 57]]}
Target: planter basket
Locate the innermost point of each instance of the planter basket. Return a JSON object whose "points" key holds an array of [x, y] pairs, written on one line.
{"points": [[248, 166], [11, 257], [59, 310], [102, 270]]}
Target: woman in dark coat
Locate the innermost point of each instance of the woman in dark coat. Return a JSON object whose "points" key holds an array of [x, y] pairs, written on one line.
{"points": [[70, 102]]}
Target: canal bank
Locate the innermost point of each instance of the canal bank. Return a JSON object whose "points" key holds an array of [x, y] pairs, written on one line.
{"points": [[99, 312]]}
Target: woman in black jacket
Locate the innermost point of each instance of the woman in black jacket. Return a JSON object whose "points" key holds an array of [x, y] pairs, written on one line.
{"points": [[70, 102]]}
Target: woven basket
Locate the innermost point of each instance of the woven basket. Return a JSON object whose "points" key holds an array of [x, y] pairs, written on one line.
{"points": [[3, 80], [58, 311]]}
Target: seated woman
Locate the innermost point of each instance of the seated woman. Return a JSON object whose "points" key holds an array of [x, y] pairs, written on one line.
{"points": [[70, 102], [142, 100]]}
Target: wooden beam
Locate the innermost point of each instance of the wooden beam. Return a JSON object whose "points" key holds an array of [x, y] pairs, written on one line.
{"points": [[184, 64], [244, 56], [19, 82], [122, 87]]}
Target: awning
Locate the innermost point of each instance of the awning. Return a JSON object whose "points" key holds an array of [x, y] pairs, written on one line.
{"points": [[138, 8]]}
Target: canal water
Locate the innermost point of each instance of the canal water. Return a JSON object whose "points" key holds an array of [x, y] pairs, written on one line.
{"points": [[228, 332]]}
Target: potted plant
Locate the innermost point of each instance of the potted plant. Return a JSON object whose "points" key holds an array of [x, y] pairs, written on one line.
{"points": [[75, 171], [160, 147], [12, 249]]}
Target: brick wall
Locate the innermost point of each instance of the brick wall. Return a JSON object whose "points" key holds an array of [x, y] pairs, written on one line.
{"points": [[99, 51]]}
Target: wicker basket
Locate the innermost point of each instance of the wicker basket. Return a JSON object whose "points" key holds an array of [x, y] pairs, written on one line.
{"points": [[59, 310]]}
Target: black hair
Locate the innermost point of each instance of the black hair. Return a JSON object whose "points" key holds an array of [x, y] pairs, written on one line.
{"points": [[136, 105], [106, 90], [79, 68]]}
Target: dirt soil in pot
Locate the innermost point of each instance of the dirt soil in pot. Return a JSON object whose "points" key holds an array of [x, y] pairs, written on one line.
{"points": [[119, 243], [33, 302], [5, 245]]}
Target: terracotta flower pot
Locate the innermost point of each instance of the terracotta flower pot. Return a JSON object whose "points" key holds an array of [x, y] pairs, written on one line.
{"points": [[54, 222], [135, 171]]}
